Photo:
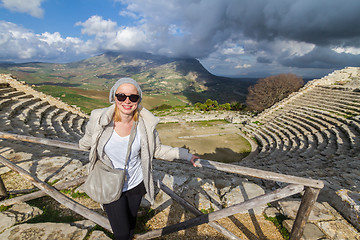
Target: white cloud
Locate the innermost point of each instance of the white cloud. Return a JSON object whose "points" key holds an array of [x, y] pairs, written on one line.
{"points": [[125, 13], [32, 7], [20, 44], [96, 25], [109, 36], [348, 50], [240, 66], [233, 51]]}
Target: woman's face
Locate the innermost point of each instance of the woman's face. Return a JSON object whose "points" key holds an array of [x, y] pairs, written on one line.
{"points": [[126, 107]]}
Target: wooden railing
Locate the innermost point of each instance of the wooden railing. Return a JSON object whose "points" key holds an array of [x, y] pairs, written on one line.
{"points": [[295, 185]]}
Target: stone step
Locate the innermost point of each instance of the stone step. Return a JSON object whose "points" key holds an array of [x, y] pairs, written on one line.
{"points": [[295, 141], [68, 125], [47, 124], [10, 93], [332, 91], [6, 89], [347, 101]]}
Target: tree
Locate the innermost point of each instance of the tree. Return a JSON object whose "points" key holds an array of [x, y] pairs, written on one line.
{"points": [[270, 90]]}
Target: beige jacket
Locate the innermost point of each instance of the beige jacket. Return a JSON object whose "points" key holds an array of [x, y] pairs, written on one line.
{"points": [[99, 130]]}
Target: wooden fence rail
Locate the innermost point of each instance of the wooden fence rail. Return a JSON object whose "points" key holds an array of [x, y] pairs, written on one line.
{"points": [[195, 211], [58, 196], [296, 185]]}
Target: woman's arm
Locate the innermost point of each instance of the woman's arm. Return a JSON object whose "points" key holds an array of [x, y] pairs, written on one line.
{"points": [[85, 141], [170, 153]]}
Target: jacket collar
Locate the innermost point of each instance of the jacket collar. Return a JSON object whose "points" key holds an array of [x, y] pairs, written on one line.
{"points": [[148, 117], [108, 114]]}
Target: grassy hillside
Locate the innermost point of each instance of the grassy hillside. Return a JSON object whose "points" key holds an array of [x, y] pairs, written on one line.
{"points": [[163, 80]]}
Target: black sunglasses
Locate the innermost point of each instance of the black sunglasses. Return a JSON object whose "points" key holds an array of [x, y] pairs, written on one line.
{"points": [[122, 97]]}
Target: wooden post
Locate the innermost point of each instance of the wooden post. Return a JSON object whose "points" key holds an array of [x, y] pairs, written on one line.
{"points": [[195, 211], [61, 198], [206, 218], [3, 192], [307, 203]]}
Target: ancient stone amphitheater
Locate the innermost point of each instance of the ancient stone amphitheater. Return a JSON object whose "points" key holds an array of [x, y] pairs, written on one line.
{"points": [[314, 133]]}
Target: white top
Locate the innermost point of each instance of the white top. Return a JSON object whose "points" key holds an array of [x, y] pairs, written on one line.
{"points": [[116, 149]]}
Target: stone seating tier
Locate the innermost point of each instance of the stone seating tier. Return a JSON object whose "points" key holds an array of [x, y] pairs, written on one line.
{"points": [[310, 141], [322, 123], [27, 114]]}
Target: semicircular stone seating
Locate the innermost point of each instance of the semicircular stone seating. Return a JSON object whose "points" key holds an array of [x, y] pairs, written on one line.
{"points": [[28, 112], [315, 132]]}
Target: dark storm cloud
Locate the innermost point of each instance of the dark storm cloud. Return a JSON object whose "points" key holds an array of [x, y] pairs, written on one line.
{"points": [[234, 36], [322, 22], [269, 31], [321, 57], [263, 60]]}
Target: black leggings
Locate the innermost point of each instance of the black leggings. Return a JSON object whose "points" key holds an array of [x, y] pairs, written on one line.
{"points": [[122, 213]]}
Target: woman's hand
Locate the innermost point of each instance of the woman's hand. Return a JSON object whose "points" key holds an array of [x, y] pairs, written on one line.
{"points": [[193, 158]]}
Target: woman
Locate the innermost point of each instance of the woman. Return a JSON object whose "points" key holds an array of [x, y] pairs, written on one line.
{"points": [[107, 136]]}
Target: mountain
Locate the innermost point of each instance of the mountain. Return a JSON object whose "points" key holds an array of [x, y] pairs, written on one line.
{"points": [[182, 78]]}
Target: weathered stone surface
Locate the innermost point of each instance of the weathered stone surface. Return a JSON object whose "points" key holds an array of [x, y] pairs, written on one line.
{"points": [[98, 235], [84, 224], [174, 180], [17, 214], [46, 168], [162, 201], [348, 202], [339, 230], [243, 192], [311, 231], [319, 212], [44, 231], [271, 212], [54, 168], [13, 156], [202, 201]]}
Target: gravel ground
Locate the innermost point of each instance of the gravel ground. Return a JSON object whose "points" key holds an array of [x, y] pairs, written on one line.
{"points": [[245, 226]]}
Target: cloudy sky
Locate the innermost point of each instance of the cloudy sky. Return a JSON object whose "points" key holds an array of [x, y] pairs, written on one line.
{"points": [[242, 38]]}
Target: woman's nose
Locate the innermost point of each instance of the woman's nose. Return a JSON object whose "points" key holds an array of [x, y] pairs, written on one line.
{"points": [[127, 100]]}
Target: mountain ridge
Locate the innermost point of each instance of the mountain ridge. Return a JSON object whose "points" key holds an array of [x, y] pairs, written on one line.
{"points": [[156, 75]]}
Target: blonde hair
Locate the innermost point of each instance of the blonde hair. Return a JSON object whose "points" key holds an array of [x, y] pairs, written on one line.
{"points": [[117, 117]]}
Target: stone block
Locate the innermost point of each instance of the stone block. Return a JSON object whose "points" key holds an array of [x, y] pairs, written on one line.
{"points": [[318, 213], [162, 201], [44, 231], [348, 202], [17, 214], [98, 235], [339, 230], [202, 201], [84, 224], [311, 231], [243, 192], [52, 168], [272, 212], [172, 181]]}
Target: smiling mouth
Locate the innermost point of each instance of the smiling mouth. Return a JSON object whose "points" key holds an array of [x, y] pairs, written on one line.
{"points": [[127, 107]]}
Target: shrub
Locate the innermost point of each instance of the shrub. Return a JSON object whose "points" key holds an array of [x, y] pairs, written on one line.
{"points": [[162, 107], [270, 90], [237, 106]]}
